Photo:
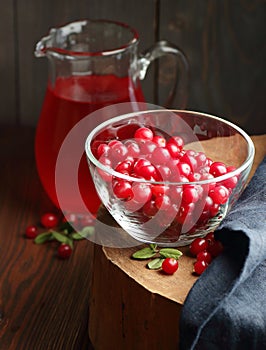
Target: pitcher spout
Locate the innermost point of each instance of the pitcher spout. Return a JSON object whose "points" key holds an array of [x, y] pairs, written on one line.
{"points": [[58, 38], [44, 43]]}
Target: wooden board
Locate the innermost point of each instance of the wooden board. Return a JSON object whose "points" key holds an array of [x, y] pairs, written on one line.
{"points": [[8, 64], [223, 43], [222, 40], [132, 307], [43, 300]]}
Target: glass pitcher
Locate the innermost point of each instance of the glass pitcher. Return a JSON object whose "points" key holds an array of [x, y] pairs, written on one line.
{"points": [[92, 64]]}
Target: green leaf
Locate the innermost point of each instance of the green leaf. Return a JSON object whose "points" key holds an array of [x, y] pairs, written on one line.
{"points": [[153, 247], [87, 231], [170, 253], [76, 236], [60, 237], [144, 253], [155, 264], [70, 243], [43, 237]]}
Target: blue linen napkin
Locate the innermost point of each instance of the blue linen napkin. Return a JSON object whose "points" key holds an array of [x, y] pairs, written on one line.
{"points": [[226, 307]]}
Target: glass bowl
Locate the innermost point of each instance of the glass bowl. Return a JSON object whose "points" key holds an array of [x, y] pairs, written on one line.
{"points": [[168, 176]]}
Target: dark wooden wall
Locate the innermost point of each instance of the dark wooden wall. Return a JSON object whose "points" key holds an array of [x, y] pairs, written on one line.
{"points": [[224, 41]]}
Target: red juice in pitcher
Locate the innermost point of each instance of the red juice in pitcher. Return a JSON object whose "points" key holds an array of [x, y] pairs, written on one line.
{"points": [[65, 104]]}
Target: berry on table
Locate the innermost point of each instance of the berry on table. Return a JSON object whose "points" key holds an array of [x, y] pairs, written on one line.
{"points": [[64, 251], [205, 255], [198, 245], [49, 220], [200, 266], [215, 248], [31, 231], [169, 266]]}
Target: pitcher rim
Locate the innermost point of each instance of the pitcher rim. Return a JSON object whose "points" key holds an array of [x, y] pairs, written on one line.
{"points": [[56, 50]]}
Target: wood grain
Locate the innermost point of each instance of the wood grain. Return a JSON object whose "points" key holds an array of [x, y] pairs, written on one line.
{"points": [[43, 300], [223, 41], [8, 64]]}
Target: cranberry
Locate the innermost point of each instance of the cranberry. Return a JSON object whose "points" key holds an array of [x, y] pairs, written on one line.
{"points": [[185, 212], [208, 203], [118, 152], [214, 209], [190, 195], [172, 165], [159, 140], [31, 231], [183, 168], [173, 149], [230, 168], [143, 133], [215, 248], [141, 192], [219, 194], [148, 172], [123, 189], [102, 149], [158, 190], [194, 177], [113, 143], [209, 237], [230, 183], [163, 172], [204, 218], [133, 149], [204, 255], [150, 209], [198, 245], [189, 158], [170, 266], [160, 155], [124, 167], [201, 159], [200, 266], [218, 169], [147, 147], [49, 220], [178, 141], [139, 164], [64, 251], [163, 202], [206, 176]]}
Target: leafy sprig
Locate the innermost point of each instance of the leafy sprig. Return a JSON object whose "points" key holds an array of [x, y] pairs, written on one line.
{"points": [[157, 255], [65, 234]]}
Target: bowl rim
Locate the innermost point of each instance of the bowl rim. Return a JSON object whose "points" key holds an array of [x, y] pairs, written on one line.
{"points": [[248, 161]]}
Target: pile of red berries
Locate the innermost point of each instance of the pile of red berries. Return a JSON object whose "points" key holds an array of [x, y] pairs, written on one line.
{"points": [[155, 158], [53, 228], [47, 220], [205, 250]]}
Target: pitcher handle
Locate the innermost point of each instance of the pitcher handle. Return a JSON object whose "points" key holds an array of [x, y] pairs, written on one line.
{"points": [[180, 87]]}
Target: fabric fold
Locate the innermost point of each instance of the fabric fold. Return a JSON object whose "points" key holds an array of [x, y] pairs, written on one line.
{"points": [[226, 308]]}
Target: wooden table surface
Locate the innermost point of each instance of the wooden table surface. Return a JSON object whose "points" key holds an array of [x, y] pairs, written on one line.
{"points": [[43, 300]]}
